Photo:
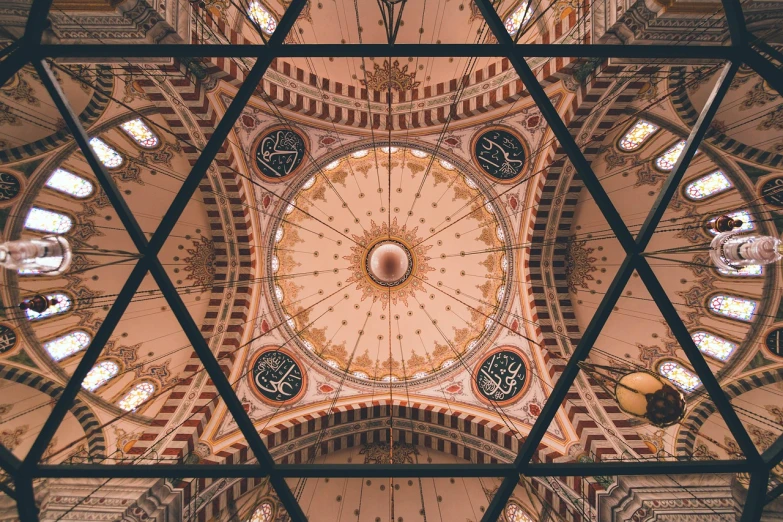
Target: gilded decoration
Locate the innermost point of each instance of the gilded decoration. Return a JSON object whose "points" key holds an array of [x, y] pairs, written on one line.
{"points": [[580, 264], [200, 264], [381, 453], [390, 76], [366, 285], [343, 262]]}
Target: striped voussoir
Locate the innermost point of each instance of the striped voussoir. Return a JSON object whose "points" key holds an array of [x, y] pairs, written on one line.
{"points": [[96, 442], [228, 207], [103, 85]]}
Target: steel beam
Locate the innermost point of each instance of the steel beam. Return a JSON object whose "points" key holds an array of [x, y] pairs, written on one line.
{"points": [[774, 454], [12, 64], [25, 500], [8, 461], [5, 488], [37, 21], [754, 501], [736, 22], [614, 468], [685, 53], [774, 493], [765, 69]]}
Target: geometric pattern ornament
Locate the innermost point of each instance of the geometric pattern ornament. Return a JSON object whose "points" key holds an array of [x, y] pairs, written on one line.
{"points": [[22, 474], [500, 153]]}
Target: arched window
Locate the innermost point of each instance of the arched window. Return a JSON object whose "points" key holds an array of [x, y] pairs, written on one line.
{"points": [[263, 513], [515, 513], [44, 220], [745, 271], [68, 183], [141, 133], [110, 158], [707, 186], [679, 375], [637, 135], [518, 17], [733, 307], [137, 396], [666, 161], [261, 17], [100, 374], [742, 215], [714, 346], [67, 345], [62, 305]]}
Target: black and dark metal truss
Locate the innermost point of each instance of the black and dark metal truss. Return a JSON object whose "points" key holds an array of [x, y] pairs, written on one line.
{"points": [[743, 49]]}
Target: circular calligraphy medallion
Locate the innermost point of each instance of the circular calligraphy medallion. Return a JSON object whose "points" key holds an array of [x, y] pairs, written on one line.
{"points": [[501, 377], [10, 187], [501, 153], [774, 342], [278, 153], [8, 339], [772, 191], [276, 377]]}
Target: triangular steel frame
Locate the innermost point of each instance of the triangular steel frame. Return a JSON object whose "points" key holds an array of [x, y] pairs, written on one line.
{"points": [[742, 50]]}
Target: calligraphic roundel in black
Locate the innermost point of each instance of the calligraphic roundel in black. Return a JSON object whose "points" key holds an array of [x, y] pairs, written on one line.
{"points": [[500, 154], [9, 186], [501, 376], [774, 342], [279, 153], [7, 338], [772, 191], [277, 376]]}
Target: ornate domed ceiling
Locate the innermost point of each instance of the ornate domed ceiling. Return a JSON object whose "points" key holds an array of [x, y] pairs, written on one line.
{"points": [[387, 264]]}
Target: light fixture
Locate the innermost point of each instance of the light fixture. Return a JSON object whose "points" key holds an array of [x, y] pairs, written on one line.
{"points": [[731, 251], [36, 255], [640, 393]]}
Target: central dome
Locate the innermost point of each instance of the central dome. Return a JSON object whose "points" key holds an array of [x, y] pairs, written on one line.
{"points": [[389, 265]]}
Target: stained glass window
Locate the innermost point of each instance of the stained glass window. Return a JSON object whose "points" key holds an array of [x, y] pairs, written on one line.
{"points": [[515, 513], [637, 135], [333, 165], [100, 374], [360, 153], [734, 307], [667, 160], [67, 345], [62, 305], [706, 186], [48, 221], [745, 271], [141, 133], [742, 215], [679, 375], [714, 346], [419, 153], [261, 17], [263, 513], [360, 375], [108, 156], [447, 363], [309, 183], [386, 150], [136, 396], [519, 17], [69, 183], [446, 165], [419, 375]]}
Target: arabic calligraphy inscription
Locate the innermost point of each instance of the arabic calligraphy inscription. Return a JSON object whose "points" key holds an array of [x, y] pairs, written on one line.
{"points": [[500, 153], [276, 377], [501, 377], [9, 186], [8, 338], [279, 153]]}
